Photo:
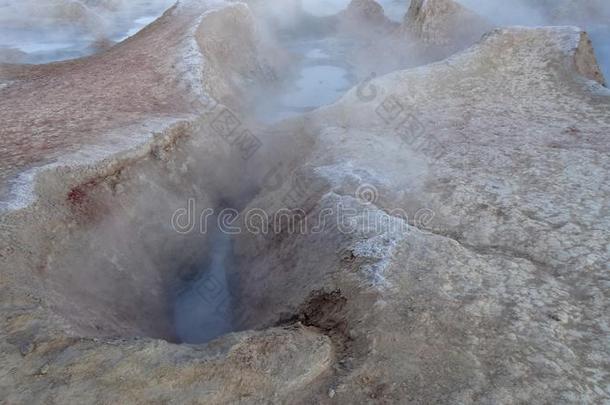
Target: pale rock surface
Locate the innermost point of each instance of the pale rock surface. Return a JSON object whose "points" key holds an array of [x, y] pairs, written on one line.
{"points": [[168, 72], [497, 292], [485, 280], [366, 12], [443, 23]]}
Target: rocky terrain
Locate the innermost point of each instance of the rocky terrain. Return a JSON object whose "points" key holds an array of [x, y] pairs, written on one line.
{"points": [[445, 232]]}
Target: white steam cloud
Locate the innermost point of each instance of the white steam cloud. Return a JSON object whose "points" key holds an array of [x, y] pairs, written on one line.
{"points": [[38, 31]]}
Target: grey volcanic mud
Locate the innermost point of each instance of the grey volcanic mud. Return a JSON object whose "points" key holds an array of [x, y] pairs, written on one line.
{"points": [[203, 307], [319, 77]]}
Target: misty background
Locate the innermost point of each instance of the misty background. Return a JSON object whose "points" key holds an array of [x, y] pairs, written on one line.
{"points": [[41, 31], [591, 15]]}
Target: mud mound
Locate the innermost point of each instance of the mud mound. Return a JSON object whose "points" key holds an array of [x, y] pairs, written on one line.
{"points": [[229, 37], [444, 22]]}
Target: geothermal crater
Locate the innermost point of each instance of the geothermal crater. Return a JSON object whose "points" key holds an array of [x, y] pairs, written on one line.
{"points": [[304, 202]]}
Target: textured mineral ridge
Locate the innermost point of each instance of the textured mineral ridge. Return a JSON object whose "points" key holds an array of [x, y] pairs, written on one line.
{"points": [[490, 286]]}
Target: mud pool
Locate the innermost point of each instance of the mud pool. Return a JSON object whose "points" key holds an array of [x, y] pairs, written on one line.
{"points": [[40, 39]]}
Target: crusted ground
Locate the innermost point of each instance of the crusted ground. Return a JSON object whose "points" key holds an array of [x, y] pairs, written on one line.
{"points": [[469, 266]]}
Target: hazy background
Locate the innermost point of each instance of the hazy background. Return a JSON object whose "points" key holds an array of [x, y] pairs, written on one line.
{"points": [[592, 15], [394, 9], [39, 31]]}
